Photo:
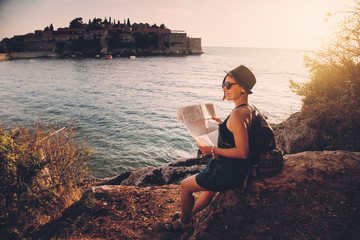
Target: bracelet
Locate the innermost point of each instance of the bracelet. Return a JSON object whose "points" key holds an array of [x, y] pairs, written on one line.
{"points": [[213, 153]]}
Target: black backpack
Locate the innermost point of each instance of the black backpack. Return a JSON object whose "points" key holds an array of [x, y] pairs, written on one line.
{"points": [[267, 158]]}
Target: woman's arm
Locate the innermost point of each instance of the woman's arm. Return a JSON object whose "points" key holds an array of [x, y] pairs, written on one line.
{"points": [[237, 124]]}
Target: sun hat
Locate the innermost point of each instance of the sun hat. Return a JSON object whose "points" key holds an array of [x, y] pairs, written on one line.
{"points": [[244, 77]]}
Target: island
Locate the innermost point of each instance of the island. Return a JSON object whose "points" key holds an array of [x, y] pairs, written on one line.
{"points": [[100, 38]]}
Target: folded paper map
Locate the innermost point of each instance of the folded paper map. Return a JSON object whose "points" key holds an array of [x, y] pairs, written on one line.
{"points": [[198, 119]]}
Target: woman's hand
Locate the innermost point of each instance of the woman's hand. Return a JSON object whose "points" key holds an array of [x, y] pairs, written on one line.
{"points": [[218, 120], [206, 150]]}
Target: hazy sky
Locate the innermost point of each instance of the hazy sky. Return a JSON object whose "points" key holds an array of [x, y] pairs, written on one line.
{"points": [[236, 23]]}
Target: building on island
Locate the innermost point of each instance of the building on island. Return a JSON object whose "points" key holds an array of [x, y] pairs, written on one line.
{"points": [[104, 38]]}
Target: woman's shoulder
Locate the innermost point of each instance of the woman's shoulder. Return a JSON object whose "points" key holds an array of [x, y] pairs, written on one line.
{"points": [[241, 114], [242, 111]]}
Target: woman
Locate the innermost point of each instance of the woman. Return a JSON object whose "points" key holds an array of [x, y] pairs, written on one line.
{"points": [[230, 165]]}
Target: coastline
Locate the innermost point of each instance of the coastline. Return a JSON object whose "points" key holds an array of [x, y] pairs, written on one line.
{"points": [[27, 55], [295, 204], [51, 54]]}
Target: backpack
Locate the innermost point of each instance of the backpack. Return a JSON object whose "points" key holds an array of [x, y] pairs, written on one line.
{"points": [[267, 158]]}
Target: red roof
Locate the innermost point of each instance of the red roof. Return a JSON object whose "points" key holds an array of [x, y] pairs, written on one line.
{"points": [[142, 30], [98, 31], [47, 36], [164, 31], [32, 37], [62, 36], [70, 30], [114, 29]]}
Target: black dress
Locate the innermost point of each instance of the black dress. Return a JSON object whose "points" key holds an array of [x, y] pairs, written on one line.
{"points": [[224, 173]]}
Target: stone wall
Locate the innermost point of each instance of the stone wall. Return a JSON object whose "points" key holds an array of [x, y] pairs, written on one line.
{"points": [[178, 43], [195, 45], [40, 46]]}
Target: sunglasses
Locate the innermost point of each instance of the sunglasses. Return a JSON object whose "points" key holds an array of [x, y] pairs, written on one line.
{"points": [[228, 85]]}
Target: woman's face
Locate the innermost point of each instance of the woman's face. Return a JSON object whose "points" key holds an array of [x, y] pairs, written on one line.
{"points": [[234, 91]]}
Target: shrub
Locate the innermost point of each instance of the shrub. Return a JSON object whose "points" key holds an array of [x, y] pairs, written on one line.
{"points": [[331, 99], [41, 170]]}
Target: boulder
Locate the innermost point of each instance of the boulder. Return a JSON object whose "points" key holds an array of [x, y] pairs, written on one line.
{"points": [[294, 135], [299, 133]]}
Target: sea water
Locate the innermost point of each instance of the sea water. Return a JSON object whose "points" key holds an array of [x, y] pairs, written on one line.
{"points": [[126, 108]]}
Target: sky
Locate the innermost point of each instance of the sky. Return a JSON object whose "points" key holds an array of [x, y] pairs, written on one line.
{"points": [[294, 24]]}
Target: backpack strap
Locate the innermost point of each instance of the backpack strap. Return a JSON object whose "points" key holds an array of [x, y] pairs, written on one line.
{"points": [[260, 113], [252, 112]]}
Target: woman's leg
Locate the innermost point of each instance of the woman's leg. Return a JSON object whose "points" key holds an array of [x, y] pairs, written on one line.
{"points": [[202, 202], [188, 207]]}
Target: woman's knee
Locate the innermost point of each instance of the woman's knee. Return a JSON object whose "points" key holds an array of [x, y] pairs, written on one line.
{"points": [[185, 183], [189, 184]]}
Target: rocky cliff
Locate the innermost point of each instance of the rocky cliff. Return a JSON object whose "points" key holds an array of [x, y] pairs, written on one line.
{"points": [[298, 134], [316, 196]]}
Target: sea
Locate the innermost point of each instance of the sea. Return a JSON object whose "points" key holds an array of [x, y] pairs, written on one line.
{"points": [[126, 108]]}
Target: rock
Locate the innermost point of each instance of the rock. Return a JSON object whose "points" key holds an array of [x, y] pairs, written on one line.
{"points": [[115, 212], [294, 134], [305, 201], [299, 133], [316, 196], [151, 176], [311, 166]]}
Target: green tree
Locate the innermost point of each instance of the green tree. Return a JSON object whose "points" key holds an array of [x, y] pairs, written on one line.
{"points": [[76, 23], [331, 99], [96, 24]]}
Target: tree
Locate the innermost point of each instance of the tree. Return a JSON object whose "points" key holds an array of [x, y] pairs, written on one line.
{"points": [[128, 22], [51, 27], [76, 23], [96, 24], [41, 169], [331, 99]]}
